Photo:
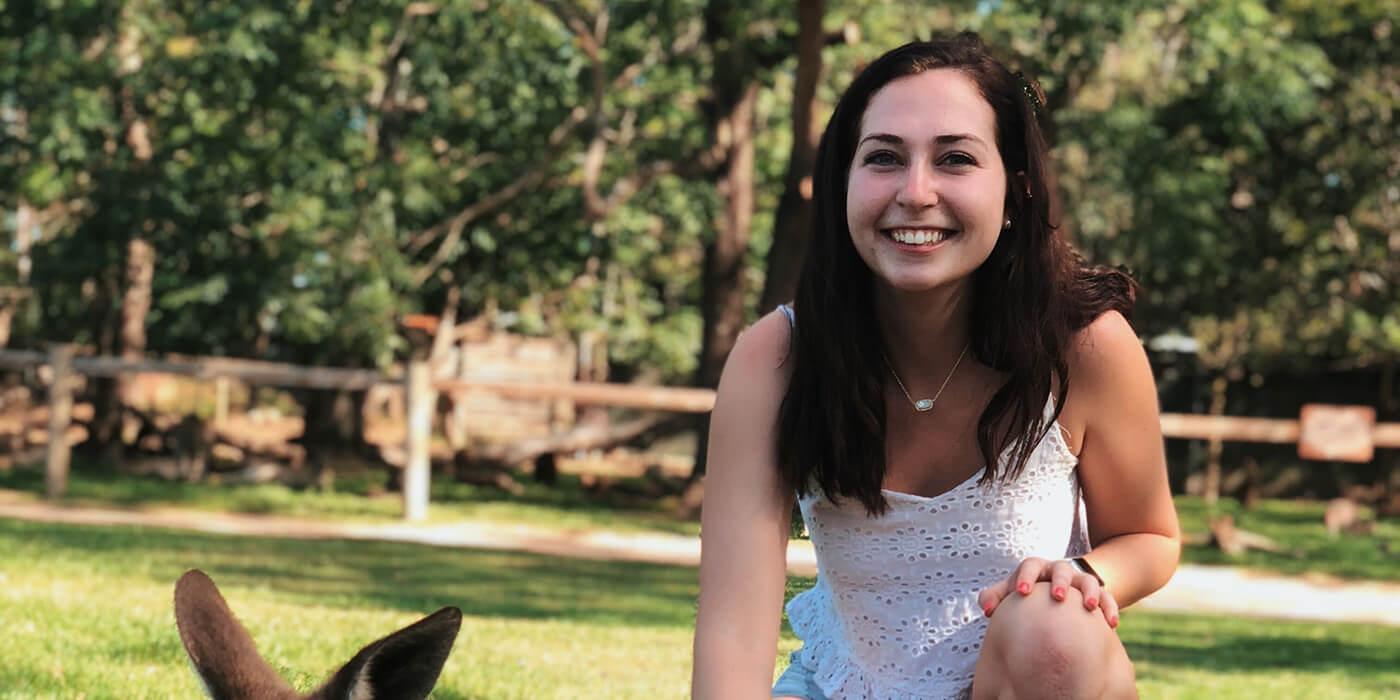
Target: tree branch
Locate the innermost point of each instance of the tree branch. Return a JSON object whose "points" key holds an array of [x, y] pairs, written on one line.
{"points": [[450, 230], [382, 100], [505, 194]]}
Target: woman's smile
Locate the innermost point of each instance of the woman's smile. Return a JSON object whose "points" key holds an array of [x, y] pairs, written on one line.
{"points": [[919, 240]]}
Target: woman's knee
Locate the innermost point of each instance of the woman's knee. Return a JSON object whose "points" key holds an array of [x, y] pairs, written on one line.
{"points": [[1048, 648]]}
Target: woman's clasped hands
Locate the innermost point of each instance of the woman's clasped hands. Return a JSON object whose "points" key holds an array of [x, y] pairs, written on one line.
{"points": [[1062, 576]]}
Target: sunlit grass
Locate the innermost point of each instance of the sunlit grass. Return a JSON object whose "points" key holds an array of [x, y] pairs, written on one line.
{"points": [[86, 612], [1297, 526]]}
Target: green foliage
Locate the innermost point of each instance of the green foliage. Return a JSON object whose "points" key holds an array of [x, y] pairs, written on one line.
{"points": [[307, 161], [1212, 152]]}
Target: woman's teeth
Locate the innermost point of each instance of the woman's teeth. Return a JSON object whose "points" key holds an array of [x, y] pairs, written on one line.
{"points": [[920, 236]]}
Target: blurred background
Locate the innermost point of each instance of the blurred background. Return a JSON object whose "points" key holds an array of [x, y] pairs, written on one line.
{"points": [[246, 241]]}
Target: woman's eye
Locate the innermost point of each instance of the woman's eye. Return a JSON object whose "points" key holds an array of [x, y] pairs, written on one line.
{"points": [[958, 159], [881, 158]]}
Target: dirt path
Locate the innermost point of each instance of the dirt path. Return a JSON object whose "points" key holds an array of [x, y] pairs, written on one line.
{"points": [[1194, 589]]}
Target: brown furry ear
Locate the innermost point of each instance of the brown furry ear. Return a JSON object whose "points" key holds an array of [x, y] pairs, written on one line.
{"points": [[402, 666], [220, 649]]}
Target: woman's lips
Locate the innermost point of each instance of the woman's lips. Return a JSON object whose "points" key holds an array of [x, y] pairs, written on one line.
{"points": [[919, 239]]}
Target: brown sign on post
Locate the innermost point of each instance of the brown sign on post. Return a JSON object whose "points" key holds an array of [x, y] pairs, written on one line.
{"points": [[1339, 433]]}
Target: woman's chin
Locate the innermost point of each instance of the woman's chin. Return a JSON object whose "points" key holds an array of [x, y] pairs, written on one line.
{"points": [[918, 284]]}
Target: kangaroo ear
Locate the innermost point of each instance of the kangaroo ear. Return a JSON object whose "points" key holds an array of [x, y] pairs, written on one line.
{"points": [[220, 649], [402, 666]]}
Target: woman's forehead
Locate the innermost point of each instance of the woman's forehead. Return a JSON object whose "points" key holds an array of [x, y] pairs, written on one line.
{"points": [[927, 105]]}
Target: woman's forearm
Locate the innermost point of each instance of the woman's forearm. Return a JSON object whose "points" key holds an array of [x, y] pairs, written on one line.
{"points": [[1135, 565], [733, 663]]}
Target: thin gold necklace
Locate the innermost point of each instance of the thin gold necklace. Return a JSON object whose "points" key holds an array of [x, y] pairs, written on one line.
{"points": [[925, 405]]}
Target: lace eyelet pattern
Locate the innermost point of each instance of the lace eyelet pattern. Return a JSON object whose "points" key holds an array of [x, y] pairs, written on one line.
{"points": [[894, 614]]}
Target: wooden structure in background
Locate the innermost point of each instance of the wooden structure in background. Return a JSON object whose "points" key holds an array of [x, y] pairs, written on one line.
{"points": [[417, 384], [1341, 433]]}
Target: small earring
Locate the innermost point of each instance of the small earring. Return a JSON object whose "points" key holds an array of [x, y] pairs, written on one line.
{"points": [[1006, 226]]}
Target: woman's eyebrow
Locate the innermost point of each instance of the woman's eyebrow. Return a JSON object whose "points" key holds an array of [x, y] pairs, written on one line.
{"points": [[954, 138], [885, 138], [940, 139]]}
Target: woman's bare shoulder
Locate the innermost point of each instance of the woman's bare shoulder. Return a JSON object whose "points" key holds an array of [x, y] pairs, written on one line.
{"points": [[1109, 370], [763, 347], [754, 380], [1106, 346]]}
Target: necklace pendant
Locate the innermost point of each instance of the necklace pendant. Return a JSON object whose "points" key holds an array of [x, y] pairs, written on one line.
{"points": [[923, 405]]}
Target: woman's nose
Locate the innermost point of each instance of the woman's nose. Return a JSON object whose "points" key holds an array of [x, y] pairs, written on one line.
{"points": [[918, 191]]}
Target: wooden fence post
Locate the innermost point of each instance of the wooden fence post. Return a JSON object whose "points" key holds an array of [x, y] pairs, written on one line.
{"points": [[60, 416], [421, 399]]}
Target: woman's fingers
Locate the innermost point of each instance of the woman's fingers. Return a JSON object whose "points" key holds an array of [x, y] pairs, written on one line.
{"points": [[1109, 606], [1089, 586], [1030, 571], [1061, 577], [991, 596]]}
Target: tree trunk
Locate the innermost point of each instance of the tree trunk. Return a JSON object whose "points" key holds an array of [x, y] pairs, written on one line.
{"points": [[722, 303], [7, 316], [139, 277], [793, 221], [106, 443], [331, 417], [136, 299], [724, 257], [723, 298], [13, 299]]}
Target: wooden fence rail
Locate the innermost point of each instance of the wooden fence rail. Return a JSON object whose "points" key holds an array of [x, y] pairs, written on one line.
{"points": [[421, 394], [251, 371]]}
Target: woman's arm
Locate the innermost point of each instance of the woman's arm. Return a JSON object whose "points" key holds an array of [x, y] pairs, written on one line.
{"points": [[744, 523], [1122, 464]]}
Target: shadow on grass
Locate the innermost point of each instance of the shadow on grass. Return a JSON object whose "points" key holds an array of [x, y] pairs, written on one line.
{"points": [[1168, 648], [412, 578], [1245, 651]]}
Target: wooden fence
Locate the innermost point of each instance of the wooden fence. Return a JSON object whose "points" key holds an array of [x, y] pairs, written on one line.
{"points": [[421, 392]]}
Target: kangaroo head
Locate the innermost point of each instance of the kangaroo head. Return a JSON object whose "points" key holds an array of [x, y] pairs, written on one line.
{"points": [[402, 666]]}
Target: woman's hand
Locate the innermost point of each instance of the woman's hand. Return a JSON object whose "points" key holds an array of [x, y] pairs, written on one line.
{"points": [[1062, 576]]}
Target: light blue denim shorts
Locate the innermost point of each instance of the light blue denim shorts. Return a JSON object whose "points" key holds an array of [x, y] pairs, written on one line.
{"points": [[797, 681]]}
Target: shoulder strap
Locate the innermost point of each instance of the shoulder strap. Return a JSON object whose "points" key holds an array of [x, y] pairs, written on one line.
{"points": [[791, 317]]}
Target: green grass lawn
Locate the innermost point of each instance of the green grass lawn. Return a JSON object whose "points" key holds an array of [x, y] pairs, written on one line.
{"points": [[1297, 525], [86, 612]]}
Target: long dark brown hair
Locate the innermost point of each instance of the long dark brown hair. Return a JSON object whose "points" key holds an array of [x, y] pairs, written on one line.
{"points": [[1028, 299]]}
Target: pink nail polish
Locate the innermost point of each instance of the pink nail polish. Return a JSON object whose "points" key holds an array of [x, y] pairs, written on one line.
{"points": [[1059, 592], [1113, 622], [1023, 588], [1093, 603], [988, 610]]}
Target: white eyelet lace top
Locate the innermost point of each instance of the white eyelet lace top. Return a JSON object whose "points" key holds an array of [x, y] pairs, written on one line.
{"points": [[893, 614]]}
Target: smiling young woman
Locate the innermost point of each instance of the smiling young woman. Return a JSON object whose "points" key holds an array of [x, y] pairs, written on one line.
{"points": [[924, 203], [977, 524]]}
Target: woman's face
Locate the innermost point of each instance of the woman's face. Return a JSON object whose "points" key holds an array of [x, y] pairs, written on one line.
{"points": [[926, 197]]}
